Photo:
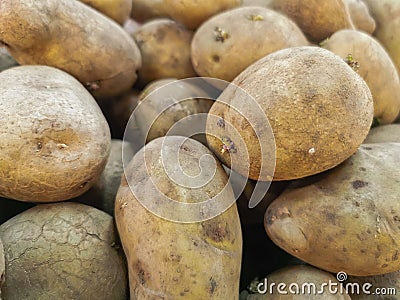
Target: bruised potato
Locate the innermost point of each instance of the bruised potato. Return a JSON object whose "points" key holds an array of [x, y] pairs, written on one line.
{"points": [[62, 251], [82, 42], [361, 16], [384, 134], [118, 10], [357, 203], [54, 139], [229, 42]]}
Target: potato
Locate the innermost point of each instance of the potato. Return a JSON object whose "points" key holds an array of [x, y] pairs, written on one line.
{"points": [[317, 19], [180, 259], [118, 10], [384, 134], [2, 266], [319, 110], [143, 10], [131, 26], [263, 3], [229, 42], [165, 48], [361, 16], [54, 139], [371, 59], [62, 251], [82, 42], [6, 60], [192, 13], [358, 205], [388, 285]]}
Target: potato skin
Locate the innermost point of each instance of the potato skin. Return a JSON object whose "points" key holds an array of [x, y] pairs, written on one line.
{"points": [[62, 251], [62, 137], [373, 59], [384, 134], [118, 10], [143, 10], [169, 260], [83, 42], [229, 42], [357, 203], [361, 16], [298, 90]]}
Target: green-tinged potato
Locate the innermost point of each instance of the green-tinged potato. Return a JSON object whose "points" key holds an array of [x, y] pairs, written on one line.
{"points": [[319, 109], [357, 204], [299, 283], [165, 48], [62, 251], [82, 42], [387, 16], [54, 139], [361, 16], [118, 10], [6, 60], [143, 10], [10, 208], [170, 259], [380, 287], [192, 13], [374, 65], [384, 134], [229, 42], [263, 3], [317, 19]]}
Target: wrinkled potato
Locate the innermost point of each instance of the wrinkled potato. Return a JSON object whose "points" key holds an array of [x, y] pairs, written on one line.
{"points": [[357, 203], [118, 10], [371, 58], [319, 109], [174, 260], [317, 19], [54, 139], [384, 134], [192, 13], [386, 283], [143, 10], [82, 42], [62, 251], [165, 48], [229, 42], [6, 60], [361, 16]]}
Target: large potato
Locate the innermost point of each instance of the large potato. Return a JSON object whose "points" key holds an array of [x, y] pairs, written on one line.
{"points": [[361, 16], [6, 60], [358, 206], [54, 139], [118, 10], [62, 251], [380, 287], [143, 10], [319, 109], [73, 37], [229, 42], [374, 66], [384, 134], [174, 260]]}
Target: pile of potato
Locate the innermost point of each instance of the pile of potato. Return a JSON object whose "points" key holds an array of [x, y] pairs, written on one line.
{"points": [[90, 92]]}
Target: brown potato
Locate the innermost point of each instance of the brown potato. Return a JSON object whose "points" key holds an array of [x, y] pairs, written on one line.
{"points": [[165, 48], [388, 285], [371, 59], [319, 109], [384, 134], [62, 251], [357, 204], [82, 42], [361, 16], [118, 10], [143, 10], [54, 139], [229, 42], [6, 60]]}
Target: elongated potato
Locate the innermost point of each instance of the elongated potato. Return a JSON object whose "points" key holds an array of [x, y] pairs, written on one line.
{"points": [[361, 16], [358, 205], [175, 260], [6, 60], [372, 59], [118, 10], [82, 42], [54, 139], [384, 134]]}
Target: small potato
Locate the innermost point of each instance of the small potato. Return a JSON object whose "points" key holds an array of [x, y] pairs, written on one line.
{"points": [[361, 16], [229, 42], [54, 139], [118, 10], [384, 134], [143, 10], [82, 42], [62, 251], [165, 48], [374, 65], [388, 285], [6, 60], [348, 221]]}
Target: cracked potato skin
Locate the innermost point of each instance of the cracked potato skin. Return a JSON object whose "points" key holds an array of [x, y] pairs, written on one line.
{"points": [[54, 139], [62, 251]]}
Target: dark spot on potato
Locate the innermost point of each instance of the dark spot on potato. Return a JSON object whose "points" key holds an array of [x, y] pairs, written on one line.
{"points": [[363, 169], [368, 148], [213, 285], [357, 204], [395, 256], [220, 35], [344, 249], [216, 58], [368, 231], [396, 218], [357, 184], [39, 145], [384, 265], [363, 251], [142, 275], [331, 217], [218, 232], [185, 148], [182, 293]]}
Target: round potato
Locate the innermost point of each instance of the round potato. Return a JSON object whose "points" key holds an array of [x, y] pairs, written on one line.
{"points": [[357, 203], [384, 134], [62, 251], [319, 110], [54, 139], [229, 42], [82, 42], [388, 285], [361, 16], [165, 48], [6, 60], [118, 10], [169, 254], [370, 58], [143, 10]]}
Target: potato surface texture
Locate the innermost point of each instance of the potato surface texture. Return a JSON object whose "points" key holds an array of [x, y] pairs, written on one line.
{"points": [[118, 10]]}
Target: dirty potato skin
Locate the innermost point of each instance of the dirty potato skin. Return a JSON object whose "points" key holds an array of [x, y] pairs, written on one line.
{"points": [[82, 42], [118, 10], [384, 134], [170, 260], [62, 251], [229, 42], [54, 139], [358, 205], [361, 16]]}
